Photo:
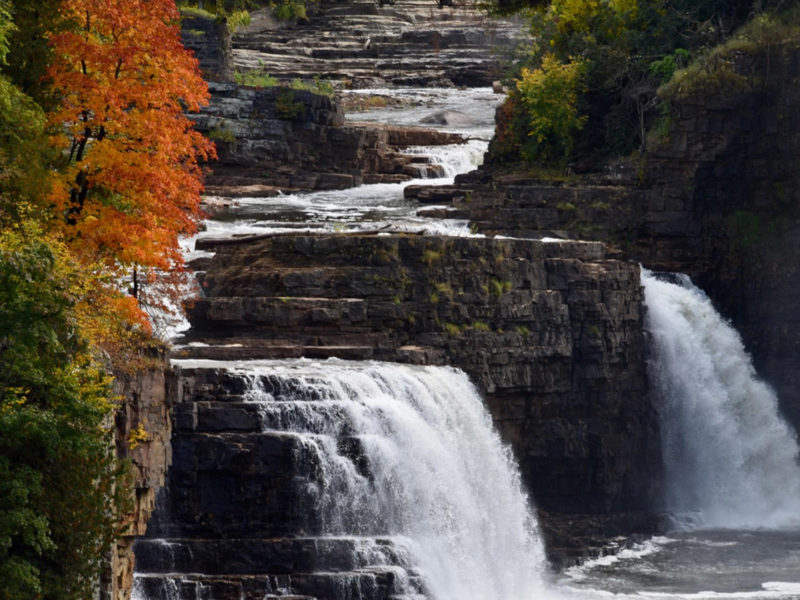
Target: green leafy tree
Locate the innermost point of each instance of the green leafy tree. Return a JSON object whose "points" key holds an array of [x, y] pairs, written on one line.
{"points": [[549, 96], [627, 48], [28, 38], [23, 154], [58, 478]]}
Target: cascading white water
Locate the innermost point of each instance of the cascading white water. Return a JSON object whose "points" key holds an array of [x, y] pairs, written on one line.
{"points": [[428, 468], [729, 456], [380, 206]]}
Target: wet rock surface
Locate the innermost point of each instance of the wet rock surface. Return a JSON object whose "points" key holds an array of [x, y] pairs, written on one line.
{"points": [[241, 518]]}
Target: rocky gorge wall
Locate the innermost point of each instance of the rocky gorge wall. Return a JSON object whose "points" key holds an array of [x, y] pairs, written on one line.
{"points": [[209, 39], [142, 434], [717, 198], [735, 153], [550, 332]]}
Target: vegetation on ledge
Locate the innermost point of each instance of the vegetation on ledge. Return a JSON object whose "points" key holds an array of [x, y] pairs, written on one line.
{"points": [[262, 79], [587, 89], [720, 70], [237, 12]]}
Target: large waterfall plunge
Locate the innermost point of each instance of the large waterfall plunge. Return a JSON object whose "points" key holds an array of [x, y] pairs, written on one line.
{"points": [[410, 452], [729, 457]]}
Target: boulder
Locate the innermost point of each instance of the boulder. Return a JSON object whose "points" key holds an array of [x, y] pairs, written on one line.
{"points": [[448, 117]]}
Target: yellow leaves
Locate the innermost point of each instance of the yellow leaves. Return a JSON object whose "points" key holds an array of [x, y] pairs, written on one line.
{"points": [[592, 18], [95, 385], [627, 7], [550, 97], [137, 436], [575, 15], [13, 398]]}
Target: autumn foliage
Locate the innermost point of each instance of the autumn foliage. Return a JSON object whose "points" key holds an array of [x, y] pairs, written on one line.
{"points": [[129, 184], [99, 178]]}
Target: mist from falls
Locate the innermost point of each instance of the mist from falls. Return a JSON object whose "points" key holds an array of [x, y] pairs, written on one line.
{"points": [[730, 459], [410, 452]]}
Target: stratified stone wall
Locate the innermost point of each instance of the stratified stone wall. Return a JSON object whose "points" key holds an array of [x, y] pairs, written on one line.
{"points": [[551, 332], [718, 198], [210, 40], [729, 169], [142, 431]]}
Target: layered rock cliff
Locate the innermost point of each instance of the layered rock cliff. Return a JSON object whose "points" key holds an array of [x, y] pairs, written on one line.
{"points": [[278, 138], [717, 198], [550, 332], [367, 44], [142, 434], [209, 38]]}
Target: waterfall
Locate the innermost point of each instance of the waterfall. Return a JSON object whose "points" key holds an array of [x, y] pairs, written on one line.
{"points": [[730, 459], [411, 452]]}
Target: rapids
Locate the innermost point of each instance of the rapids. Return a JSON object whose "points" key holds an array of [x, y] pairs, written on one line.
{"points": [[376, 206]]}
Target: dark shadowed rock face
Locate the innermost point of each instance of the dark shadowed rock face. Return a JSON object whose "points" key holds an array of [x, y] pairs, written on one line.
{"points": [[210, 41], [551, 332]]}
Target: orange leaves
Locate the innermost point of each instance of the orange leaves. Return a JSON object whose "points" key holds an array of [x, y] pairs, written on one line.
{"points": [[129, 183]]}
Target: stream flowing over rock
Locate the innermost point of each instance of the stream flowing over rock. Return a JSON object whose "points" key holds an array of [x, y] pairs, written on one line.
{"points": [[383, 475], [277, 139]]}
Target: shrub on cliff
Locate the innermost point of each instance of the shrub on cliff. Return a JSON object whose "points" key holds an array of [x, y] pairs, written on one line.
{"points": [[627, 49], [549, 97]]}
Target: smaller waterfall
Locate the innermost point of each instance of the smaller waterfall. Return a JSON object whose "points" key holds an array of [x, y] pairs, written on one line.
{"points": [[454, 159], [729, 456]]}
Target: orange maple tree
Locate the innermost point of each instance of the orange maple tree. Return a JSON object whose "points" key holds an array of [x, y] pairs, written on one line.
{"points": [[128, 185]]}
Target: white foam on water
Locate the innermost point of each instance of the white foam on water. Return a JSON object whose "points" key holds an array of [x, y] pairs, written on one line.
{"points": [[478, 104], [437, 475], [634, 553], [729, 456]]}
